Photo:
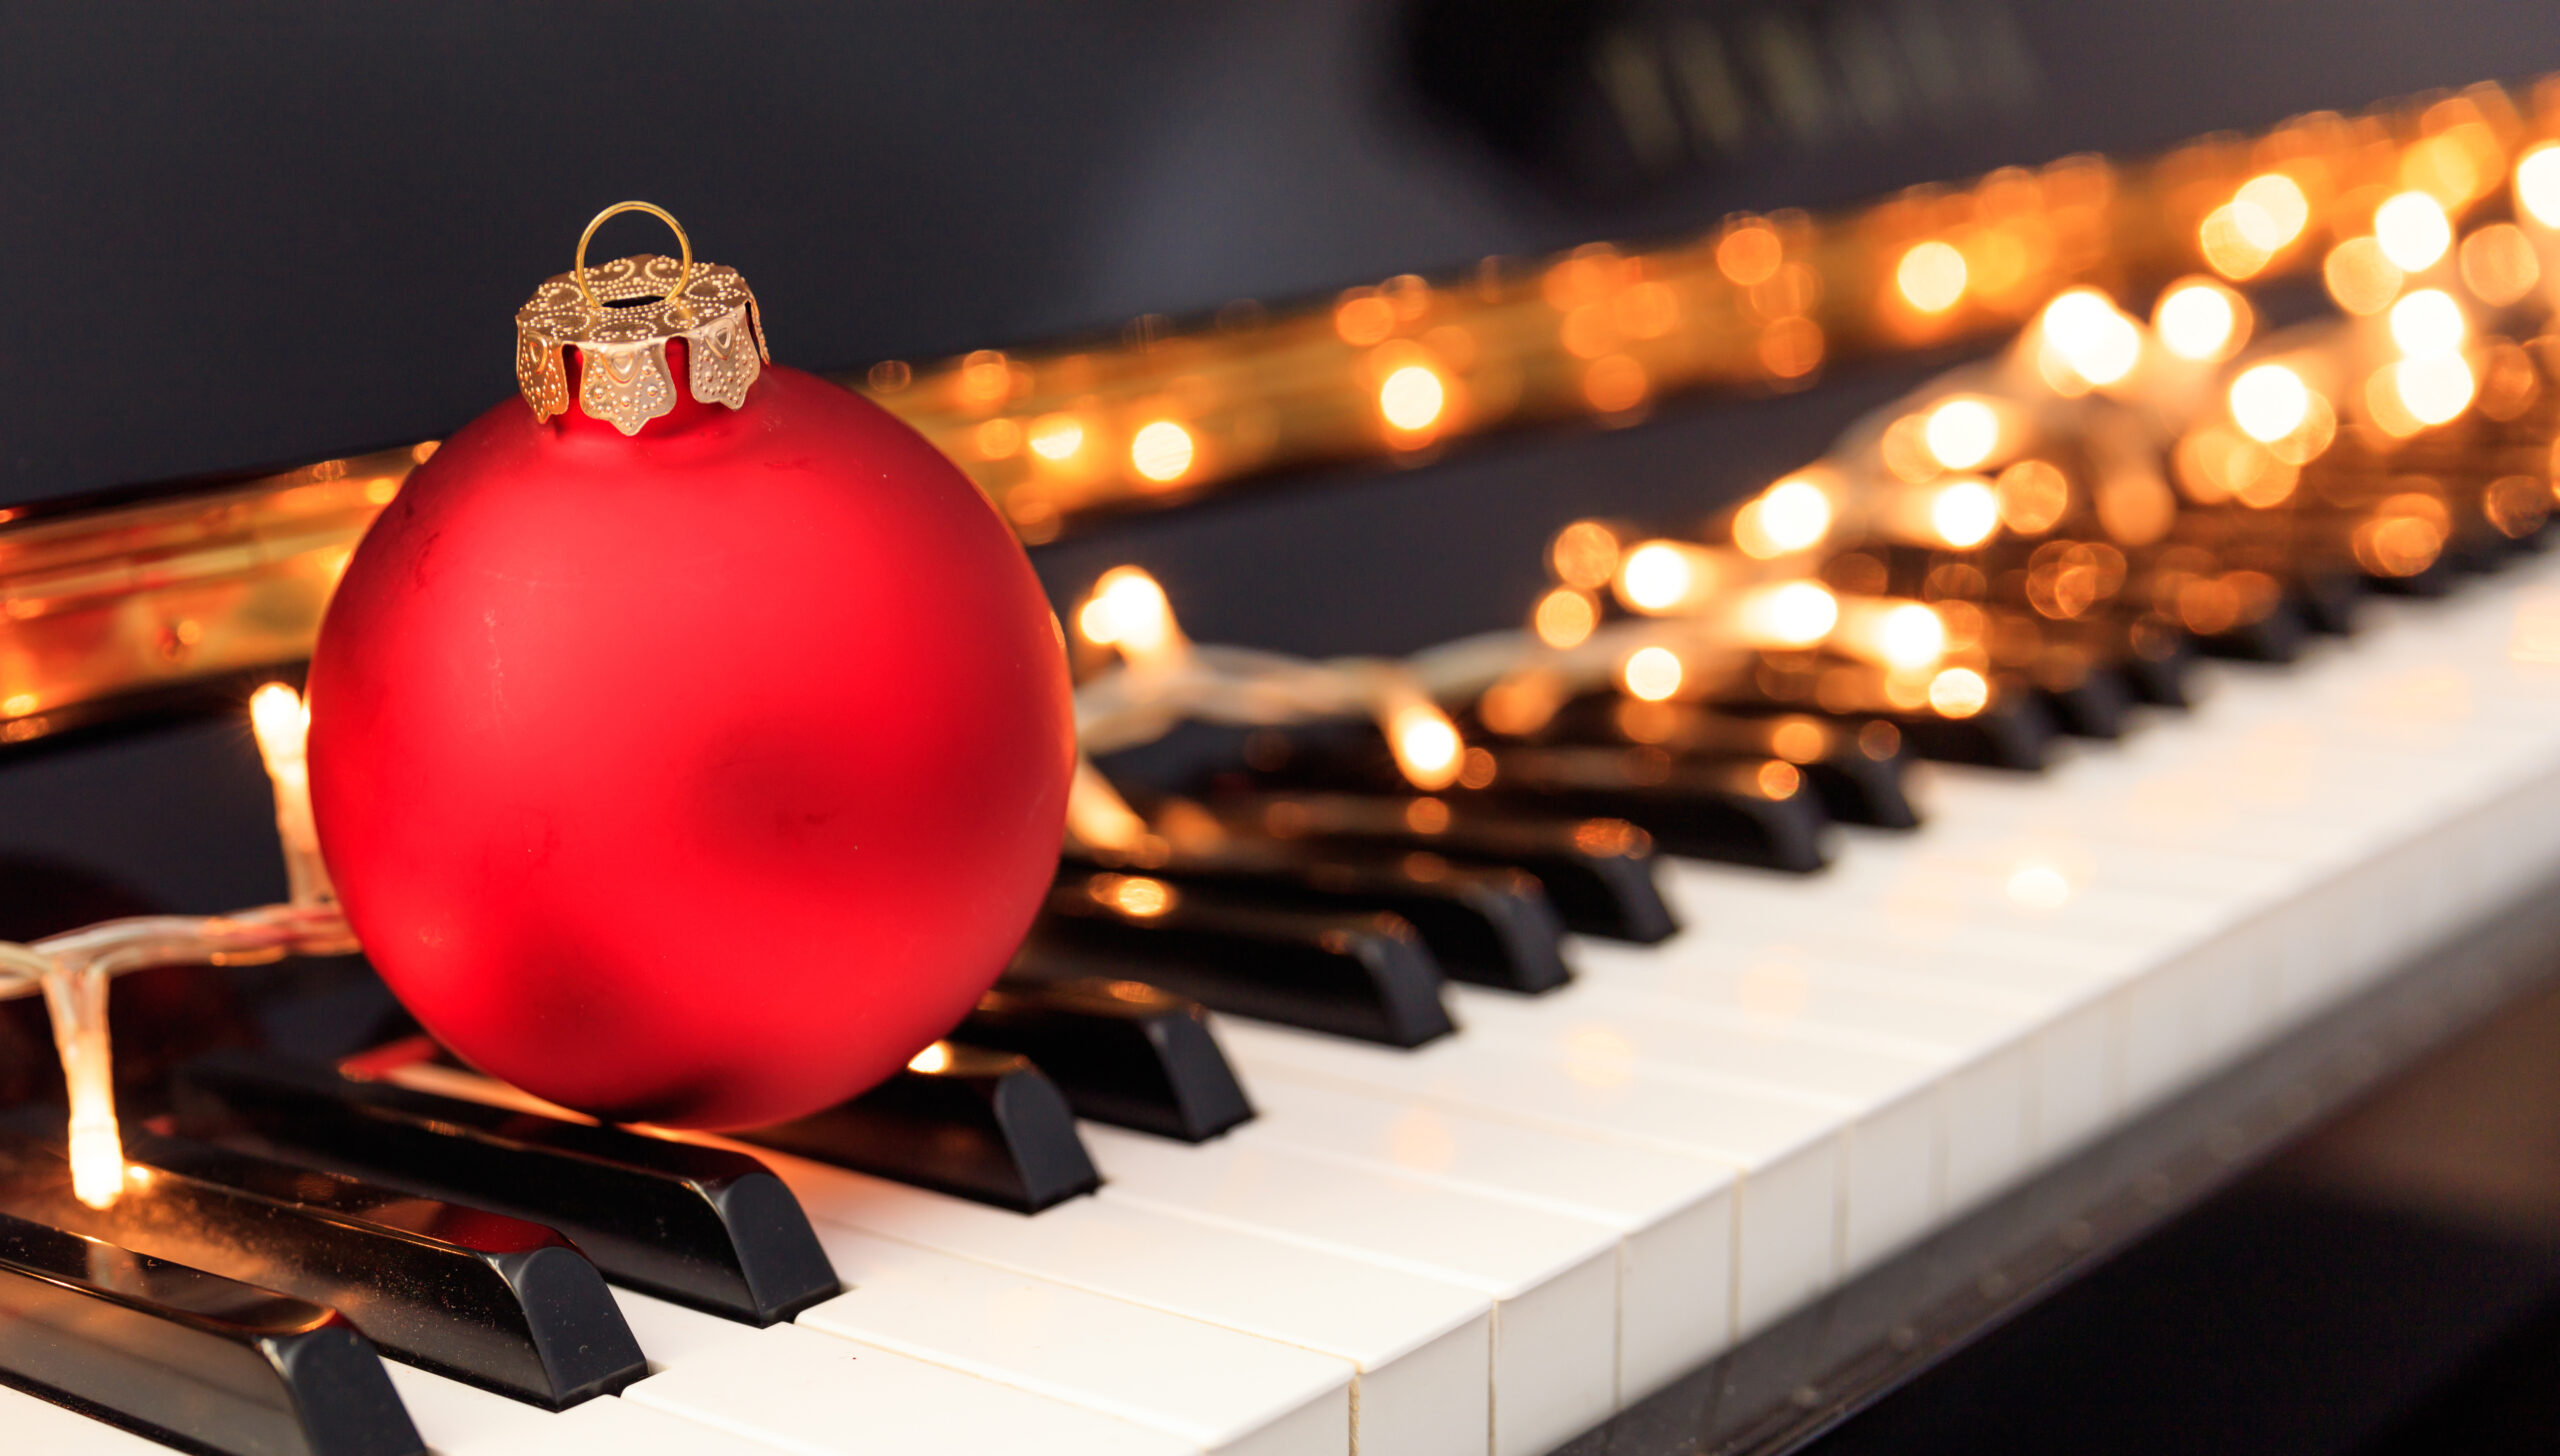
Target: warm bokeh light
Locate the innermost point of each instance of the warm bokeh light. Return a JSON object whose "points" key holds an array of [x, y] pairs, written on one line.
{"points": [[1965, 512], [1585, 555], [1959, 692], [2033, 496], [2226, 247], [2538, 184], [1412, 397], [1962, 433], [1665, 576], [1790, 614], [1749, 253], [1129, 611], [1651, 673], [2426, 323], [1138, 895], [935, 1058], [1778, 779], [2270, 402], [2359, 277], [2413, 231], [1908, 637], [1931, 276], [1564, 617], [1793, 515], [2085, 333], [1615, 383], [2434, 390], [2270, 211], [2499, 264], [2200, 320], [1161, 451], [1056, 437], [1426, 745], [1096, 814]]}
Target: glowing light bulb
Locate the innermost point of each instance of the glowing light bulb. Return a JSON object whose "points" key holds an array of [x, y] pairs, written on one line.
{"points": [[1964, 513], [2413, 231], [1162, 451], [1129, 611], [281, 723], [1426, 745], [1412, 397], [2090, 336], [1651, 673], [935, 1058], [1931, 276], [2434, 389], [2270, 402], [1056, 437], [1791, 614], [2200, 320], [2270, 211], [1959, 692], [1565, 617], [1793, 515], [2426, 323], [1962, 433], [2538, 184], [1663, 576], [1135, 895]]}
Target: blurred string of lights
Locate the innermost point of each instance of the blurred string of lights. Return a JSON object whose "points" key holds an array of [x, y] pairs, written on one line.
{"points": [[128, 601], [2105, 485]]}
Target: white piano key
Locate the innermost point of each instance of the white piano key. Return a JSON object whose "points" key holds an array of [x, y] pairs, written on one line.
{"points": [[1672, 1211], [1789, 1151], [1552, 1277], [1893, 1182], [1423, 1347], [38, 1425], [1229, 1392], [825, 1395], [455, 1419]]}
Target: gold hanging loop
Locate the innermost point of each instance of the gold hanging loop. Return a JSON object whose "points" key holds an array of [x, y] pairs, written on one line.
{"points": [[578, 265]]}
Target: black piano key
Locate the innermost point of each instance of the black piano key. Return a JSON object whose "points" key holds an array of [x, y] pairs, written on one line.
{"points": [[2325, 599], [969, 1121], [2156, 665], [189, 1358], [1363, 976], [705, 1227], [2278, 636], [2014, 731], [1491, 925], [1123, 1052], [1855, 765], [2088, 704], [1598, 873], [495, 1301], [1744, 811]]}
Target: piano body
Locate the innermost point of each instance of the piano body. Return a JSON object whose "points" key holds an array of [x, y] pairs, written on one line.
{"points": [[2141, 1041]]}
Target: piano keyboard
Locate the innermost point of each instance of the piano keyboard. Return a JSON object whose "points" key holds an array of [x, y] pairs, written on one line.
{"points": [[1286, 1240]]}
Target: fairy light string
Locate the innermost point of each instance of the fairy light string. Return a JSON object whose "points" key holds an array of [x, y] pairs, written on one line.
{"points": [[2094, 432]]}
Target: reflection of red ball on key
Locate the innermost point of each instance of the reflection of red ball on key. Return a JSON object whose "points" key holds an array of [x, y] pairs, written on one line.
{"points": [[699, 775]]}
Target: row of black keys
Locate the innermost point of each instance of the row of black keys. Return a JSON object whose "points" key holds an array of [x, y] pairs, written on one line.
{"points": [[285, 1208]]}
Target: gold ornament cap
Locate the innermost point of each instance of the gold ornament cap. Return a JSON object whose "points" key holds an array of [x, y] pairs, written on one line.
{"points": [[619, 317]]}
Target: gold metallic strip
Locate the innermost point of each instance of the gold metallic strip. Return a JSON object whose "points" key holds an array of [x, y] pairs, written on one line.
{"points": [[130, 599]]}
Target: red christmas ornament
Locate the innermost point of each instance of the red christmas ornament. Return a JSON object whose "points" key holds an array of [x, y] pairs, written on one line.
{"points": [[687, 753]]}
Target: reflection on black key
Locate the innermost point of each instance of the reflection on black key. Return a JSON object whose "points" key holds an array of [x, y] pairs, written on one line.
{"points": [[1123, 1052], [1364, 976], [1598, 873], [2087, 702], [963, 1120], [706, 1227], [2012, 731], [188, 1357], [1491, 925], [484, 1298], [1744, 811]]}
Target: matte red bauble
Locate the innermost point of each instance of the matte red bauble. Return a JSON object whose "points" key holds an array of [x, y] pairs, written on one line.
{"points": [[690, 753]]}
